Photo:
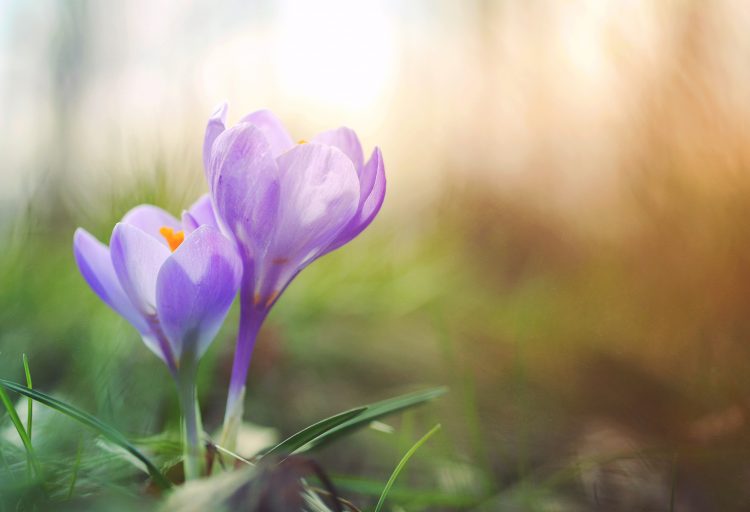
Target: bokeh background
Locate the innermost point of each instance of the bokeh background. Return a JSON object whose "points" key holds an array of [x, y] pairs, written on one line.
{"points": [[564, 242]]}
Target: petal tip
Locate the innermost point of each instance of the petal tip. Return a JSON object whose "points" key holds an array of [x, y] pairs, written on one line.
{"points": [[220, 112], [79, 234]]}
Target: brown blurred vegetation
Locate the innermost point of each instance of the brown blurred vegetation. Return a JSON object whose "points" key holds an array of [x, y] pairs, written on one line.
{"points": [[640, 334]]}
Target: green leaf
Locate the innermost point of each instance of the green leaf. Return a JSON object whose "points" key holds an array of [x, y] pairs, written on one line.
{"points": [[25, 439], [92, 422], [76, 467], [374, 412], [306, 435], [30, 405], [402, 463]]}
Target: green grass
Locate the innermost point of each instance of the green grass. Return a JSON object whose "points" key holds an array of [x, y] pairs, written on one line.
{"points": [[22, 433], [401, 464], [85, 419]]}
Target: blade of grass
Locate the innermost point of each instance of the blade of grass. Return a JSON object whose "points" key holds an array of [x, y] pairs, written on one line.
{"points": [[416, 498], [374, 412], [30, 406], [90, 421], [234, 455], [402, 463], [76, 466], [33, 462], [304, 436]]}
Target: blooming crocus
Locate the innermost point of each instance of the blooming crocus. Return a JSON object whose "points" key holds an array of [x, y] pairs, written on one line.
{"points": [[174, 282], [285, 204]]}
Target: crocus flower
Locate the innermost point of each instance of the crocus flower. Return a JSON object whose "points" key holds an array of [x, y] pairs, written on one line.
{"points": [[286, 205], [174, 282]]}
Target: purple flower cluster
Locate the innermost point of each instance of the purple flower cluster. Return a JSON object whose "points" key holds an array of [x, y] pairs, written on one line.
{"points": [[274, 206]]}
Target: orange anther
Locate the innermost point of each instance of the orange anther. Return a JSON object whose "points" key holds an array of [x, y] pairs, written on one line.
{"points": [[173, 238]]}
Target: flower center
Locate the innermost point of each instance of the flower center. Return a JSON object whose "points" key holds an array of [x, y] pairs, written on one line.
{"points": [[173, 238], [302, 141]]}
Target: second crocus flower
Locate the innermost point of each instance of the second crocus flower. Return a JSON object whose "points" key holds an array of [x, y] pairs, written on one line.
{"points": [[174, 282]]}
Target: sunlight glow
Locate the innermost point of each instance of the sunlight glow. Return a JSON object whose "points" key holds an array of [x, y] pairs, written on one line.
{"points": [[335, 53]]}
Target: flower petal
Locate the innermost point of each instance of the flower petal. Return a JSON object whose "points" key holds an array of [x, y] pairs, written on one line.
{"points": [[370, 201], [347, 141], [95, 264], [200, 213], [319, 196], [195, 288], [374, 201], [151, 219], [273, 130], [216, 125], [246, 187], [137, 258]]}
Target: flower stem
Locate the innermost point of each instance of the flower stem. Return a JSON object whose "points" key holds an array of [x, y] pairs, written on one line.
{"points": [[251, 320], [192, 445]]}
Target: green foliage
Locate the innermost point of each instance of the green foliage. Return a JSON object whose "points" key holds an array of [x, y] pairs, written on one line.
{"points": [[30, 401], [374, 412], [88, 420], [307, 435], [346, 422], [402, 463], [22, 432]]}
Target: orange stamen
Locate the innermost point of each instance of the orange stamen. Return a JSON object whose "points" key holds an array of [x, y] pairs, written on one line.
{"points": [[302, 141], [173, 238]]}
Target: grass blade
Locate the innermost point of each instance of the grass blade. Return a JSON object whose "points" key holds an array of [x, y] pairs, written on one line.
{"points": [[418, 499], [90, 421], [374, 412], [304, 436], [30, 406], [76, 467], [33, 462], [402, 463]]}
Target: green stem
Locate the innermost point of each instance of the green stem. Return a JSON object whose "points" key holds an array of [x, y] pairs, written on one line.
{"points": [[30, 404], [191, 423]]}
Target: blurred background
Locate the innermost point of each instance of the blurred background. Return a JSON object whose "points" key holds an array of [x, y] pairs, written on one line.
{"points": [[564, 241]]}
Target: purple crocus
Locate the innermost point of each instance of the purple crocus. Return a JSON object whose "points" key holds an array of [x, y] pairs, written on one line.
{"points": [[174, 282], [286, 205]]}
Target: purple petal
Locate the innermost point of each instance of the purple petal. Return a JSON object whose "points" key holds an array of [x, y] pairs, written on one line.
{"points": [[273, 130], [319, 196], [216, 125], [374, 201], [347, 141], [195, 288], [189, 223], [369, 175], [151, 219], [95, 264], [370, 201], [246, 187], [137, 258], [200, 213]]}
